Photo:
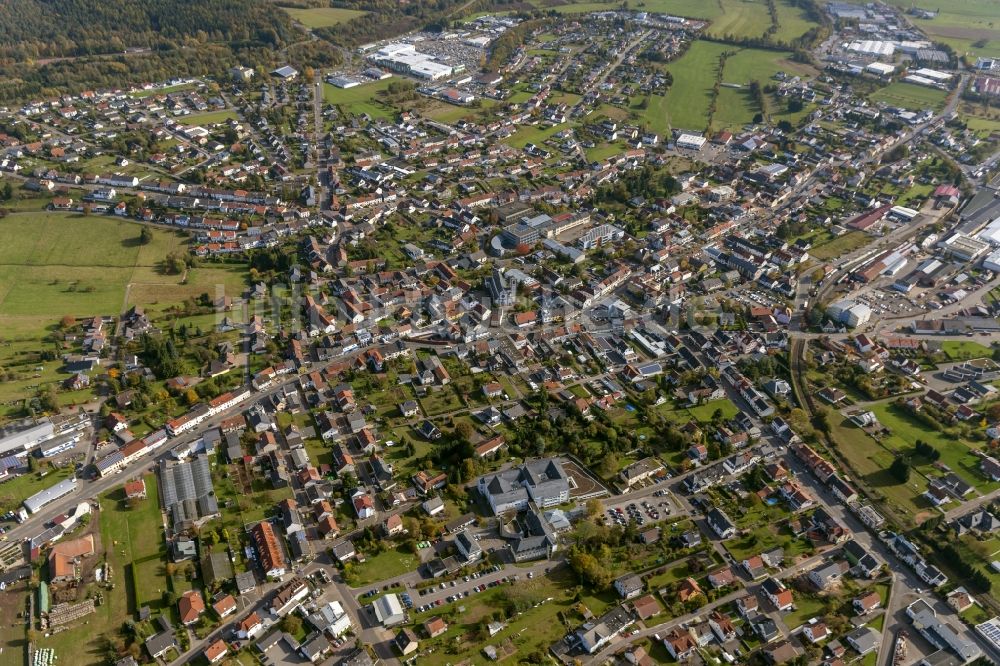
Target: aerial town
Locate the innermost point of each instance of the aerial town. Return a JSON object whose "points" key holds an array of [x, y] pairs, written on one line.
{"points": [[604, 336]]}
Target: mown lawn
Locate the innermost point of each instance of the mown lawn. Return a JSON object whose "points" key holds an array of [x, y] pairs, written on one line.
{"points": [[703, 412], [963, 350], [910, 96], [389, 563], [359, 99], [806, 608], [323, 17]]}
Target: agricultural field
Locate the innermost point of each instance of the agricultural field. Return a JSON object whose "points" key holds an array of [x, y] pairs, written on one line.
{"points": [[734, 109], [969, 26], [688, 8], [792, 22], [690, 96], [911, 96], [688, 101], [740, 19], [50, 266], [748, 65], [323, 17]]}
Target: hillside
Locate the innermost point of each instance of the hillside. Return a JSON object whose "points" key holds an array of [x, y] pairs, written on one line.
{"points": [[33, 29], [49, 47]]}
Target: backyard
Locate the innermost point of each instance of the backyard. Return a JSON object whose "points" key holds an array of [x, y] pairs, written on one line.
{"points": [[130, 537]]}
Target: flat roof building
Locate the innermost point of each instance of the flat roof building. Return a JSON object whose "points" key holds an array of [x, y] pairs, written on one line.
{"points": [[39, 500]]}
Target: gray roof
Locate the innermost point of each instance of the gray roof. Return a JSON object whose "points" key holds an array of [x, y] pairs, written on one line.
{"points": [[186, 489], [25, 439], [50, 494], [159, 643], [245, 581], [864, 639]]}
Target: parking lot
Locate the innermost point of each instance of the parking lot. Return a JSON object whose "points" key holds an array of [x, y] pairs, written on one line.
{"points": [[641, 511]]}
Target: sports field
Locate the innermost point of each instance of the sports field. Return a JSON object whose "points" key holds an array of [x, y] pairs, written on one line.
{"points": [[323, 17], [911, 96]]}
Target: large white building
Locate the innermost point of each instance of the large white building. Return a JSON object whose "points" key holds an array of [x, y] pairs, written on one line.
{"points": [[691, 141], [543, 482], [388, 610], [405, 58], [850, 313]]}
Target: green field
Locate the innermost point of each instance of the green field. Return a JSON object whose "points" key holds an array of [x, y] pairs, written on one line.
{"points": [[703, 412], [870, 463], [688, 100], [534, 134], [962, 350], [955, 453], [741, 18], [50, 266], [689, 8], [128, 536], [911, 96], [360, 99], [968, 26], [980, 118], [323, 17], [792, 22], [582, 7], [734, 109], [839, 245], [387, 564], [655, 114], [759, 65], [210, 118]]}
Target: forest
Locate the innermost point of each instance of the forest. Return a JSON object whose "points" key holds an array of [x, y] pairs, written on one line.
{"points": [[48, 47], [38, 29]]}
